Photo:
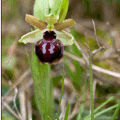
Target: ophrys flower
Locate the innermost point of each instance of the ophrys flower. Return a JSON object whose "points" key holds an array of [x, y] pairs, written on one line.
{"points": [[49, 38]]}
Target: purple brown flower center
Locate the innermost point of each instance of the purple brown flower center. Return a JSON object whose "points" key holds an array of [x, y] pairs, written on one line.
{"points": [[49, 35], [49, 49]]}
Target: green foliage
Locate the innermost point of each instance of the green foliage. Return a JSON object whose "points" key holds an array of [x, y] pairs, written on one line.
{"points": [[56, 80], [62, 89], [43, 83], [6, 115], [67, 111], [55, 6], [91, 88], [43, 86], [41, 9], [99, 107], [81, 106], [105, 110], [116, 111], [77, 75], [63, 10], [58, 8]]}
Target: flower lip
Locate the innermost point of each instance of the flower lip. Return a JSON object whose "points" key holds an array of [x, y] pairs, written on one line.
{"points": [[49, 35], [49, 52]]}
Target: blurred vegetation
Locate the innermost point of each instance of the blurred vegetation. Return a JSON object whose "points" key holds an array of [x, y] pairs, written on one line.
{"points": [[106, 14]]}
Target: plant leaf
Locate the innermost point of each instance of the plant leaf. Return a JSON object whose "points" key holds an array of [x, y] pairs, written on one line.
{"points": [[99, 107], [104, 111], [116, 111], [67, 111], [43, 87], [57, 116], [41, 9], [63, 10], [62, 89], [54, 6]]}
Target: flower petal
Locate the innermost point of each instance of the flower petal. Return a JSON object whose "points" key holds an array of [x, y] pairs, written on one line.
{"points": [[32, 37], [64, 24], [35, 22], [65, 37]]}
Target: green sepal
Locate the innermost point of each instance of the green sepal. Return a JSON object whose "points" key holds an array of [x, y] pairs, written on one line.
{"points": [[32, 37], [65, 37]]}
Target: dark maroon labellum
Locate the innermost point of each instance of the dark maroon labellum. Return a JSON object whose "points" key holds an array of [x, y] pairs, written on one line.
{"points": [[49, 49]]}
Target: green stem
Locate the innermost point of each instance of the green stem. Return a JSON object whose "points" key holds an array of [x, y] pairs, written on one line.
{"points": [[91, 89]]}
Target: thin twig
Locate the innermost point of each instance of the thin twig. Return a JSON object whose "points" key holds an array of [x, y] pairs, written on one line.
{"points": [[102, 70], [26, 73], [95, 33], [94, 67], [11, 110], [80, 49], [14, 102], [29, 104], [113, 39], [22, 100], [97, 50], [90, 34], [26, 85], [22, 89], [63, 107], [94, 88], [75, 111]]}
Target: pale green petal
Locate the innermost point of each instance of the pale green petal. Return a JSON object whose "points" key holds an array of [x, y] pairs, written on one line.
{"points": [[65, 37], [32, 37]]}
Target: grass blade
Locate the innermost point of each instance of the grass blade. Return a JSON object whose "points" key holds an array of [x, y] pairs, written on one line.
{"points": [[103, 104], [81, 107], [104, 111], [78, 102], [98, 108], [57, 116], [67, 111], [116, 112]]}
